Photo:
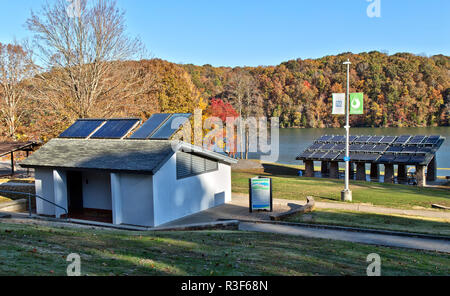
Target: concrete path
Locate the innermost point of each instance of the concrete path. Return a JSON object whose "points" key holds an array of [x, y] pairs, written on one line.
{"points": [[241, 199], [350, 236], [238, 210]]}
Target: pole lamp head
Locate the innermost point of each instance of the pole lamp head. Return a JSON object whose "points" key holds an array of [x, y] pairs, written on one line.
{"points": [[347, 62]]}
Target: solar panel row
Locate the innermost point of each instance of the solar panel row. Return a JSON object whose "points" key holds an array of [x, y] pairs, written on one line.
{"points": [[100, 128], [405, 149]]}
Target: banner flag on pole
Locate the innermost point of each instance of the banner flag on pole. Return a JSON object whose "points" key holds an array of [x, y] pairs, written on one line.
{"points": [[338, 104], [356, 103]]}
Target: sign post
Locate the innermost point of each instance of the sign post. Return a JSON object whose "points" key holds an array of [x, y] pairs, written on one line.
{"points": [[260, 190], [346, 194]]}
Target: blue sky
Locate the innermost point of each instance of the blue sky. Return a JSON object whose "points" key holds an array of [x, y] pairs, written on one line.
{"points": [[250, 32]]}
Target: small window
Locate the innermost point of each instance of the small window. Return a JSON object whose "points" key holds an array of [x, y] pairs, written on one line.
{"points": [[189, 165]]}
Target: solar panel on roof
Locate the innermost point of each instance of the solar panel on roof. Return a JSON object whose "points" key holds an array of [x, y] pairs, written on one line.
{"points": [[376, 139], [402, 158], [306, 154], [372, 156], [115, 129], [417, 139], [367, 147], [150, 126], [82, 128], [171, 126], [319, 155], [432, 140], [402, 139], [338, 139], [327, 146], [331, 155], [352, 138], [423, 150], [417, 159], [386, 158], [339, 147], [409, 149], [388, 139], [363, 139], [380, 148], [315, 146], [356, 147], [324, 138], [395, 149]]}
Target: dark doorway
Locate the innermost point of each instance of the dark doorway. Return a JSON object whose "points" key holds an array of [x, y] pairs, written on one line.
{"points": [[75, 191]]}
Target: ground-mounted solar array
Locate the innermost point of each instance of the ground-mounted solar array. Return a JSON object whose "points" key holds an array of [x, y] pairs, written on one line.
{"points": [[405, 149]]}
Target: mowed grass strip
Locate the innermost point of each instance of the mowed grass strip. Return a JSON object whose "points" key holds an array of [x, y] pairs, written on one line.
{"points": [[322, 189], [391, 222], [39, 250]]}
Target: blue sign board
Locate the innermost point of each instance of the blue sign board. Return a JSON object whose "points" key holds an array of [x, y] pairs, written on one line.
{"points": [[260, 194]]}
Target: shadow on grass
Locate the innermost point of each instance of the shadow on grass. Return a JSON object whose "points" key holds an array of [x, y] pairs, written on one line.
{"points": [[274, 169]]}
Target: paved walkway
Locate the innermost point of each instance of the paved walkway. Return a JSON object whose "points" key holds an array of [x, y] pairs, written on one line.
{"points": [[357, 237], [238, 210]]}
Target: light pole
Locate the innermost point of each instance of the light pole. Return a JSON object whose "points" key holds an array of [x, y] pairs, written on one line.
{"points": [[346, 194]]}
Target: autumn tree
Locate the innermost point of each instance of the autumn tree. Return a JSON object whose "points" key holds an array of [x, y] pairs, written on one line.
{"points": [[81, 50], [16, 66]]}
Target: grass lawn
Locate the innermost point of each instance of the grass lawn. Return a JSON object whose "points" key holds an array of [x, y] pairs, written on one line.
{"points": [[375, 221], [39, 250], [388, 195]]}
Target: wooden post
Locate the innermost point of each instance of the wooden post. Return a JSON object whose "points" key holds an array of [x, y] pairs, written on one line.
{"points": [[12, 164], [324, 168], [388, 173], [432, 170], [28, 169], [361, 171], [374, 171], [334, 170], [420, 175], [402, 172], [309, 168]]}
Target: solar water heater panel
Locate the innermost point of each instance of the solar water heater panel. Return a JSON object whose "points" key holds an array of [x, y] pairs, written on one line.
{"points": [[115, 129], [82, 128]]}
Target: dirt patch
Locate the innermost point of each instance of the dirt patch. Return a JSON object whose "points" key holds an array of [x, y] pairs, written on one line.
{"points": [[247, 164]]}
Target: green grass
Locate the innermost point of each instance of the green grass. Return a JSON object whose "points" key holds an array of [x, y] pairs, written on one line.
{"points": [[388, 195], [375, 221], [39, 250]]}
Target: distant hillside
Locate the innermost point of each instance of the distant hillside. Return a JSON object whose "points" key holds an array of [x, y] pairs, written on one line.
{"points": [[401, 90]]}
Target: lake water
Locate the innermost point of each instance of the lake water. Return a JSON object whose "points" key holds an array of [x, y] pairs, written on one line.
{"points": [[294, 141]]}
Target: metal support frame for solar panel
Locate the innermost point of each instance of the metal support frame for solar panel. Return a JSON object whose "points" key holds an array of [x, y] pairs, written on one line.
{"points": [[150, 126], [116, 128], [82, 128], [166, 131]]}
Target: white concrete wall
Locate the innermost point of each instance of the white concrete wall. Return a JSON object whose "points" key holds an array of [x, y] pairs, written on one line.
{"points": [[174, 199], [132, 199], [44, 188], [96, 190], [60, 188]]}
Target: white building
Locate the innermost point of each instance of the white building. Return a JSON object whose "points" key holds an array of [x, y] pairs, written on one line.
{"points": [[132, 182]]}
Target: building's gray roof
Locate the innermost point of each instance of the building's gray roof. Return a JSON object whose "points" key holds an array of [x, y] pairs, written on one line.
{"points": [[144, 156]]}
